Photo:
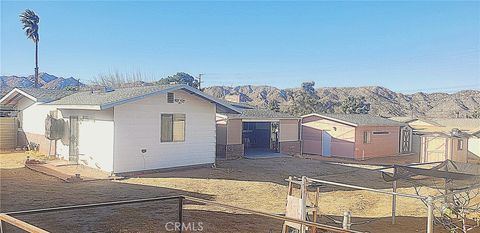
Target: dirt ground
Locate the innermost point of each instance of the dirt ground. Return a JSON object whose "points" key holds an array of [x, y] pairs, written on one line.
{"points": [[255, 184]]}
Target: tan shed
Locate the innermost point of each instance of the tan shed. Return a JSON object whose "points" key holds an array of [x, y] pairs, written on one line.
{"points": [[441, 146]]}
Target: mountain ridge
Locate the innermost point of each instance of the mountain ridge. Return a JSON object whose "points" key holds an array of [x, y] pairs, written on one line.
{"points": [[383, 101]]}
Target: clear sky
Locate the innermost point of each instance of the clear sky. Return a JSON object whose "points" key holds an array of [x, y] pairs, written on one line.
{"points": [[405, 46]]}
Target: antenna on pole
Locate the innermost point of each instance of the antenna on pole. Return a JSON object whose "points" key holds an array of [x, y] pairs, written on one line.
{"points": [[200, 81]]}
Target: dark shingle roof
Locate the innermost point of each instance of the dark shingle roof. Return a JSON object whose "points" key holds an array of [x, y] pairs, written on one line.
{"points": [[46, 95], [108, 99], [105, 97], [260, 114], [364, 119]]}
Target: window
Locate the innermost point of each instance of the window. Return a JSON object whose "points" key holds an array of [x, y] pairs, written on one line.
{"points": [[380, 133], [366, 137], [460, 144], [172, 128], [170, 97]]}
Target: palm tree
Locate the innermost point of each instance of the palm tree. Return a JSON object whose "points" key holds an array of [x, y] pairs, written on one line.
{"points": [[30, 25]]}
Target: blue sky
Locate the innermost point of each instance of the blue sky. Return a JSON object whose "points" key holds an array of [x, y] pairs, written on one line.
{"points": [[405, 46]]}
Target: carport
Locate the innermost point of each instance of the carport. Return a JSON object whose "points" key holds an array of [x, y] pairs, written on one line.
{"points": [[257, 133]]}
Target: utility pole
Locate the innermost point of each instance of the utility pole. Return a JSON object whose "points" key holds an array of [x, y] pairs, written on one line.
{"points": [[200, 81]]}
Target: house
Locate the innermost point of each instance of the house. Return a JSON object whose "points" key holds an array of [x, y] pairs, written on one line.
{"points": [[127, 129], [27, 107], [354, 136], [444, 126], [256, 132], [437, 147]]}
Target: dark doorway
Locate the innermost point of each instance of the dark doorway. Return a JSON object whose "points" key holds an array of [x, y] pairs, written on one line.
{"points": [[260, 137], [73, 145]]}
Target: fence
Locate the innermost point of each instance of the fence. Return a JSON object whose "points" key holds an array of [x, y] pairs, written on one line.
{"points": [[10, 219], [8, 133]]}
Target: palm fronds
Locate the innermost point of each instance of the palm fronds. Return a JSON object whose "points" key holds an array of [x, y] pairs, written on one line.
{"points": [[30, 24]]}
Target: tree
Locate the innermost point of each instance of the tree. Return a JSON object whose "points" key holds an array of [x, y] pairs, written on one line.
{"points": [[355, 105], [119, 80], [30, 25], [274, 106], [180, 78], [308, 87], [306, 101], [475, 114]]}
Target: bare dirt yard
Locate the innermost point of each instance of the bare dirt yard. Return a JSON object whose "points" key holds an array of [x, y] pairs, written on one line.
{"points": [[254, 184]]}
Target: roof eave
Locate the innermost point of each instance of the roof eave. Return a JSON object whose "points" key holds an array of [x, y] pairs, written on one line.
{"points": [[18, 91], [332, 119], [79, 107]]}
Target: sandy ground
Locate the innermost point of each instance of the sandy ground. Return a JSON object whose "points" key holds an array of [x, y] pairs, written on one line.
{"points": [[254, 184]]}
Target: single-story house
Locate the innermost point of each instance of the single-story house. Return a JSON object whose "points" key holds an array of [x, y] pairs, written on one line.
{"points": [[126, 129], [355, 136], [440, 146], [256, 132]]}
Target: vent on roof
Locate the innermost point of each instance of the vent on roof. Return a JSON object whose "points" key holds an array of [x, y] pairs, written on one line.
{"points": [[170, 97]]}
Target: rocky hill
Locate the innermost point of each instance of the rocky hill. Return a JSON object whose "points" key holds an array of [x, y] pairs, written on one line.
{"points": [[45, 80], [383, 101]]}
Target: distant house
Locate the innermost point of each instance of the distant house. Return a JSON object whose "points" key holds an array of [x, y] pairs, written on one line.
{"points": [[256, 132], [355, 136], [444, 127], [124, 130]]}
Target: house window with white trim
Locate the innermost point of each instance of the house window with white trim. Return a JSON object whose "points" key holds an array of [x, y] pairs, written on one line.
{"points": [[172, 128]]}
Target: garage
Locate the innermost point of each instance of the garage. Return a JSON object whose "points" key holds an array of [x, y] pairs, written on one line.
{"points": [[260, 138]]}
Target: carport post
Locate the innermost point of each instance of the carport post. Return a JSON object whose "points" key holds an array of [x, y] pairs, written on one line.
{"points": [[180, 213], [430, 215]]}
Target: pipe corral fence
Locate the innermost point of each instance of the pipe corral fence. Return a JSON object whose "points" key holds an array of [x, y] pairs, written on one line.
{"points": [[9, 217], [428, 200]]}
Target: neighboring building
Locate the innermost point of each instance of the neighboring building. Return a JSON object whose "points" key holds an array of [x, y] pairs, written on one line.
{"points": [[444, 126], [27, 106], [256, 132], [355, 136], [444, 146], [128, 129]]}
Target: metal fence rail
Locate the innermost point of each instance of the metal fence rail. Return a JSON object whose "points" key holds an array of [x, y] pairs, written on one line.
{"points": [[8, 217]]}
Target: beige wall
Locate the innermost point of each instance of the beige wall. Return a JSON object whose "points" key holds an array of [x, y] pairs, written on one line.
{"points": [[433, 149], [439, 148], [288, 130], [337, 130], [380, 145], [221, 134], [343, 136], [234, 131]]}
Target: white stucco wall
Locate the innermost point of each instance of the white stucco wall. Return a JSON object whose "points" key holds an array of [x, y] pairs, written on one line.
{"points": [[137, 127], [96, 133], [33, 116], [474, 146]]}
